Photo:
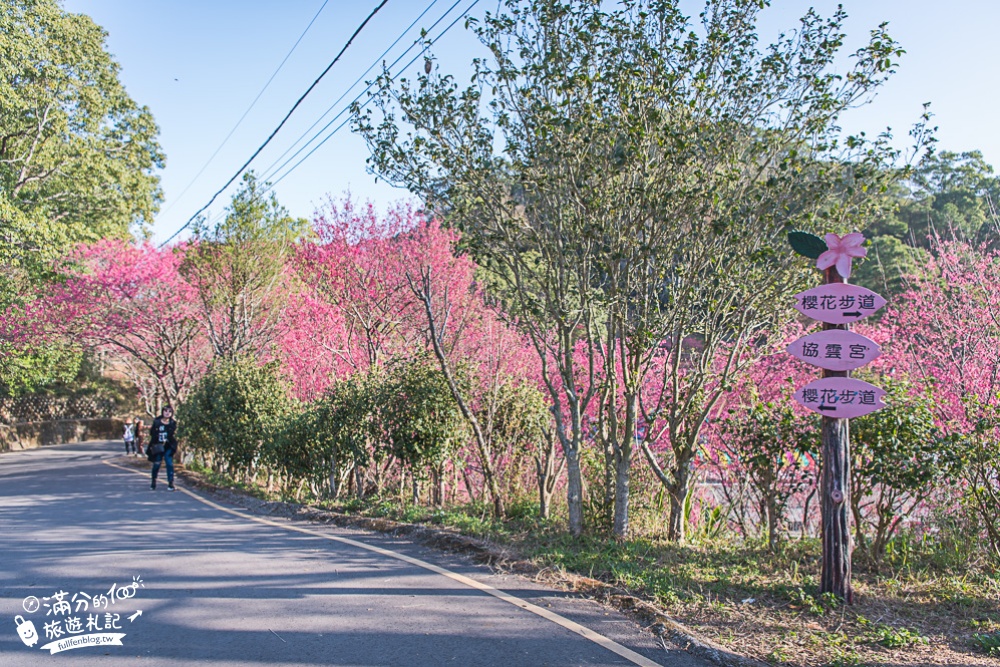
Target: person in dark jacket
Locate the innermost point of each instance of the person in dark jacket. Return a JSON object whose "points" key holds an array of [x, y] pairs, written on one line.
{"points": [[163, 445]]}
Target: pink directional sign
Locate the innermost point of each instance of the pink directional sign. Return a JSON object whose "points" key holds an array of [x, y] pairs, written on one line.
{"points": [[838, 303], [835, 350], [840, 398]]}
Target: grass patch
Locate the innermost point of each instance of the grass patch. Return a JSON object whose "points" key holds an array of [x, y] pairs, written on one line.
{"points": [[890, 637]]}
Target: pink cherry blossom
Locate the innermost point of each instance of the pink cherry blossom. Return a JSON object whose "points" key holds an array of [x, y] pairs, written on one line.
{"points": [[130, 302], [840, 252]]}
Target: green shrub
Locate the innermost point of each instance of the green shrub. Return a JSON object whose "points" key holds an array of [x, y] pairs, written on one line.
{"points": [[331, 438], [421, 419], [899, 456], [232, 412]]}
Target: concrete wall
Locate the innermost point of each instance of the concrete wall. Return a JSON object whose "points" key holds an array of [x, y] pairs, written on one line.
{"points": [[29, 435]]}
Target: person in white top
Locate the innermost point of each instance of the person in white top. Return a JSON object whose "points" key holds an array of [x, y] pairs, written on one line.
{"points": [[128, 435]]}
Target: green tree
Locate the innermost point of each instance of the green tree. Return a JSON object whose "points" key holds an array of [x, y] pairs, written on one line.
{"points": [[77, 160], [982, 473], [760, 437], [331, 439], [890, 264], [239, 268], [77, 154], [953, 195], [950, 195], [520, 424], [233, 412], [29, 370], [629, 182], [421, 421]]}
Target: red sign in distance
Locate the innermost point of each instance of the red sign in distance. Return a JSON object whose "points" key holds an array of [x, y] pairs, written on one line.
{"points": [[838, 303], [840, 398], [835, 350]]}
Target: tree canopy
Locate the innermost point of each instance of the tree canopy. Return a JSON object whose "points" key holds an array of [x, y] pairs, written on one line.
{"points": [[77, 154], [629, 174]]}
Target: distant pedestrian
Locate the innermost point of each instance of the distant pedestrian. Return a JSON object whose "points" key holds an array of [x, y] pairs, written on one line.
{"points": [[139, 436], [128, 435], [163, 445]]}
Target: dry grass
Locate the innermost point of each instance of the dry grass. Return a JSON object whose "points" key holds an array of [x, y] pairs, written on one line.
{"points": [[766, 606]]}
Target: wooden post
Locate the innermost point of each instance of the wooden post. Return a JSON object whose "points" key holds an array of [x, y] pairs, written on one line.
{"points": [[835, 492]]}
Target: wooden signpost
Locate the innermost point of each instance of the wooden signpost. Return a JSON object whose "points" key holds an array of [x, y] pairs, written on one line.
{"points": [[836, 396]]}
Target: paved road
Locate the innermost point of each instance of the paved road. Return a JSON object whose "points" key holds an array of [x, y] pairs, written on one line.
{"points": [[220, 587]]}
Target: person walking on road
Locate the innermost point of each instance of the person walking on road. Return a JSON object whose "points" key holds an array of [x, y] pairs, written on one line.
{"points": [[128, 435], [163, 445]]}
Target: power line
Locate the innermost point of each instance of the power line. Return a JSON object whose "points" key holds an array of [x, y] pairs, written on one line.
{"points": [[252, 104], [403, 34], [280, 125], [270, 186], [339, 127], [268, 170]]}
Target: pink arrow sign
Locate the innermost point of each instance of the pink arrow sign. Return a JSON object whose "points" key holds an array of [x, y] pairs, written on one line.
{"points": [[838, 303], [835, 350], [841, 398]]}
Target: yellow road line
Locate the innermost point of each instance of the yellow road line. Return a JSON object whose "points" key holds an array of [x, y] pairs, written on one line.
{"points": [[572, 626]]}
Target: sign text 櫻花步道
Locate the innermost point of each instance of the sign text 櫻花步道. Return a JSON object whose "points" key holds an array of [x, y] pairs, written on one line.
{"points": [[838, 303]]}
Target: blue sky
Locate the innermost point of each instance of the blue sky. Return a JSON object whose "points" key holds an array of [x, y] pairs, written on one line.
{"points": [[198, 65]]}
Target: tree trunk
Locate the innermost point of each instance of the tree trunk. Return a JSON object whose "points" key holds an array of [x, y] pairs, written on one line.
{"points": [[334, 481], [359, 481], [772, 524], [439, 486], [453, 486], [548, 476], [623, 468], [676, 528], [805, 514], [609, 506], [468, 485], [622, 475], [544, 496], [678, 491], [494, 488], [574, 492]]}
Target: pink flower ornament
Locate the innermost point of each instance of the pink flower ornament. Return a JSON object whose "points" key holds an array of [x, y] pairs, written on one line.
{"points": [[840, 252]]}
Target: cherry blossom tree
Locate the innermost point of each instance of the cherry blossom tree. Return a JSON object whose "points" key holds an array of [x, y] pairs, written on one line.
{"points": [[484, 361], [356, 309], [132, 303], [946, 329], [383, 290]]}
